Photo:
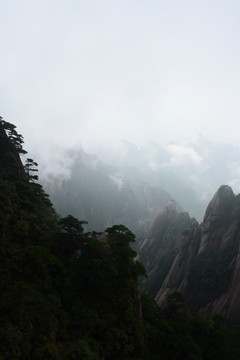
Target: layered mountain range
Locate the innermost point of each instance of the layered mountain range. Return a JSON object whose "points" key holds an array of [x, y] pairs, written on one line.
{"points": [[199, 260], [180, 169], [128, 183], [103, 196]]}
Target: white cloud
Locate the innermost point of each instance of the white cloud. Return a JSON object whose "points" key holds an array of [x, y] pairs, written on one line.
{"points": [[183, 155], [117, 180], [234, 176], [95, 72]]}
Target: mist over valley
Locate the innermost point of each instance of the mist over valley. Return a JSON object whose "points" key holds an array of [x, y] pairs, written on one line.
{"points": [[94, 183]]}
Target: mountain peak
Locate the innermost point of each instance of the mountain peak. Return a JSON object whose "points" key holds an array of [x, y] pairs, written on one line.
{"points": [[218, 208]]}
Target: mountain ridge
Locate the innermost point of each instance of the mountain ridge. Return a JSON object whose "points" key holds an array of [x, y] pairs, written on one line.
{"points": [[206, 265]]}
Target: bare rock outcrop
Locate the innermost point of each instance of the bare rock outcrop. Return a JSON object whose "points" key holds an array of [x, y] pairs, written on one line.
{"points": [[216, 220], [176, 279], [206, 262], [161, 245]]}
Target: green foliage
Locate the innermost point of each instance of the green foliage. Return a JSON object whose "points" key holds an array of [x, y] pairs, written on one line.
{"points": [[15, 138], [195, 338], [30, 167], [120, 233], [71, 225]]}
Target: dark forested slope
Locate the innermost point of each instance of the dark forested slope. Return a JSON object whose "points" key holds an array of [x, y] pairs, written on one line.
{"points": [[63, 294]]}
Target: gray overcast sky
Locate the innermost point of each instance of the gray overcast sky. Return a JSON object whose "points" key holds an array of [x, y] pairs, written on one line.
{"points": [[74, 71]]}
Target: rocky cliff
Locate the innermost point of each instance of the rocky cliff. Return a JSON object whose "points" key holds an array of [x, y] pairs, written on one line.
{"points": [[161, 245], [204, 261]]}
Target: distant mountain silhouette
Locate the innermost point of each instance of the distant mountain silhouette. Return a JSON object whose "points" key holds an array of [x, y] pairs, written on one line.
{"points": [[103, 196], [190, 173]]}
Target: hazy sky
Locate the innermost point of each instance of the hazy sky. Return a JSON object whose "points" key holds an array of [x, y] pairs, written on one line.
{"points": [[87, 71]]}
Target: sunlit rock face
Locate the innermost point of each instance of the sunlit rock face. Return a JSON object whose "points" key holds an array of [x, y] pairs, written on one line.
{"points": [[206, 263]]}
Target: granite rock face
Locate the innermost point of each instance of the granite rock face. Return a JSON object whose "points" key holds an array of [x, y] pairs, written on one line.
{"points": [[161, 245], [206, 262]]}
